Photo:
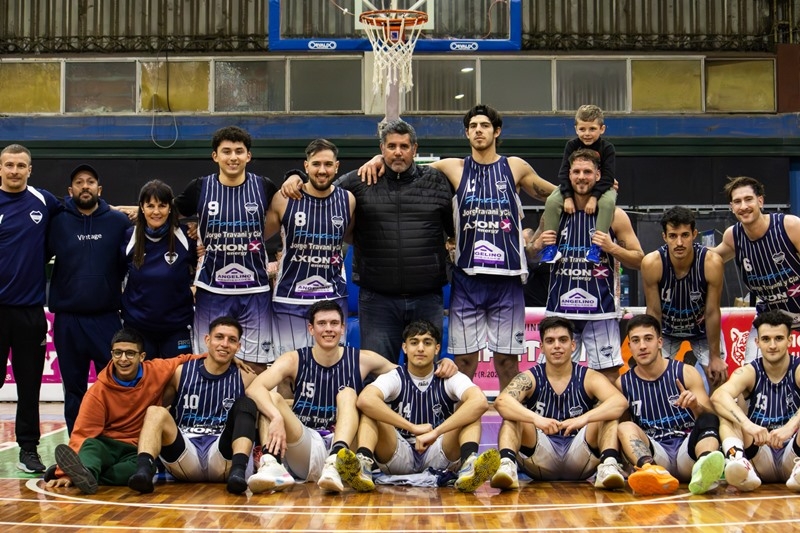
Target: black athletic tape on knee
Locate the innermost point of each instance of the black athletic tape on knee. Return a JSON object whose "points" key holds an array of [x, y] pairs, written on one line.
{"points": [[706, 426]]}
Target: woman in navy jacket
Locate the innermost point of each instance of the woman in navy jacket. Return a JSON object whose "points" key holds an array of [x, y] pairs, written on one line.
{"points": [[161, 259]]}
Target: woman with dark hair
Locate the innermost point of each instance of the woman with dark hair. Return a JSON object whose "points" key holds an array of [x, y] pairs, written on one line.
{"points": [[157, 299]]}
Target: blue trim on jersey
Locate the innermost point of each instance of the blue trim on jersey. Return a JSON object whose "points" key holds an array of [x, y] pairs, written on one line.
{"points": [[580, 289], [683, 301], [652, 403], [231, 226], [312, 265], [572, 402], [487, 212], [203, 400], [770, 267], [430, 406], [316, 386], [770, 404]]}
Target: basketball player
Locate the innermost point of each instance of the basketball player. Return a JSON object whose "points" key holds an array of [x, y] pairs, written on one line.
{"points": [[313, 230], [232, 279], [682, 288], [672, 432], [766, 433], [211, 435], [765, 248], [582, 291], [413, 420], [487, 297], [556, 418], [323, 418]]}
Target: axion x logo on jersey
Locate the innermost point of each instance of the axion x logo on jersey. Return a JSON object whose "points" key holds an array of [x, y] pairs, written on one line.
{"points": [[601, 272]]}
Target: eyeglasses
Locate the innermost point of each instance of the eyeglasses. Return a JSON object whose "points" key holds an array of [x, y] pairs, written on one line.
{"points": [[129, 354]]}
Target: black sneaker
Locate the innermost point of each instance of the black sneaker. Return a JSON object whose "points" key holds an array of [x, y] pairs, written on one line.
{"points": [[30, 462], [72, 466]]}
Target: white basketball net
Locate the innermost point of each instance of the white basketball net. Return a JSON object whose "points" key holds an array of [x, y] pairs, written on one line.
{"points": [[392, 60]]}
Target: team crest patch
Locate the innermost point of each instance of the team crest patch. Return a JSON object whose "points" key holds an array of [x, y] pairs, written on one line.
{"points": [[607, 350], [519, 337], [36, 216], [227, 403], [337, 221], [502, 186], [251, 208], [694, 296], [266, 346], [778, 258], [170, 258], [575, 411]]}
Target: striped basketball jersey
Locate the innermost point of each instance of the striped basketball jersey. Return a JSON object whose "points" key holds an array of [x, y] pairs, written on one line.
{"points": [[429, 406], [580, 289], [203, 400], [316, 386], [312, 265], [683, 301], [652, 403], [770, 404], [487, 212], [231, 226], [770, 267], [572, 402]]}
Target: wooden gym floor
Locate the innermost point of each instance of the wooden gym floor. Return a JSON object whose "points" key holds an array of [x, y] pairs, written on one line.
{"points": [[28, 506]]}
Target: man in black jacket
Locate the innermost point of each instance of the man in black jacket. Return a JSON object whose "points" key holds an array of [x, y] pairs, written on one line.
{"points": [[401, 223]]}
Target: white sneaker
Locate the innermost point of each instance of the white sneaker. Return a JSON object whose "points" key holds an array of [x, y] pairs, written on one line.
{"points": [[793, 482], [739, 473], [330, 480], [609, 475], [506, 477], [271, 475]]}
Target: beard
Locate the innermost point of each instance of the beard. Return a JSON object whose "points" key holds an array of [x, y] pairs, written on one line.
{"points": [[85, 204]]}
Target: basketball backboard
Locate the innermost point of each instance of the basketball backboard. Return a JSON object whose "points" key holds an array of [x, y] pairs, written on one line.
{"points": [[333, 25]]}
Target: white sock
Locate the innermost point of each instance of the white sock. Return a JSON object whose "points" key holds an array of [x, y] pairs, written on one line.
{"points": [[733, 448]]}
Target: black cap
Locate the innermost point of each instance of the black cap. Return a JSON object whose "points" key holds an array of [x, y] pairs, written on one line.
{"points": [[84, 168]]}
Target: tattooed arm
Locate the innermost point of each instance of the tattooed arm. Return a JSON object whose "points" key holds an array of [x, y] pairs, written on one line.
{"points": [[726, 405], [528, 180], [509, 404]]}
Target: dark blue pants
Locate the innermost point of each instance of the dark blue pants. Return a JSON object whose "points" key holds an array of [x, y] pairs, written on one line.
{"points": [[80, 340], [383, 317]]}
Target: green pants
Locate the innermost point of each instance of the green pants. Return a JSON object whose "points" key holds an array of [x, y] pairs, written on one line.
{"points": [[554, 206], [111, 461]]}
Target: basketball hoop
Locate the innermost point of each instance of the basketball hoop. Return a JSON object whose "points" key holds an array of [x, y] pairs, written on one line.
{"points": [[393, 34]]}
